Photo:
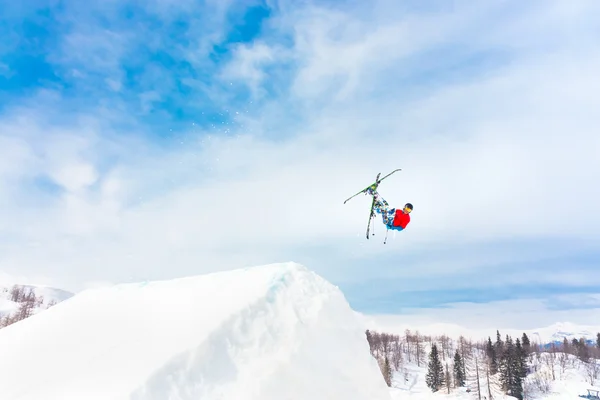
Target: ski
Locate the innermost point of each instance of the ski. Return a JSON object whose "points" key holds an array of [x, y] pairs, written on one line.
{"points": [[372, 213], [376, 183]]}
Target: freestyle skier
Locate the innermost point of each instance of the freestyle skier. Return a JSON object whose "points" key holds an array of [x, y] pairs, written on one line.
{"points": [[392, 218]]}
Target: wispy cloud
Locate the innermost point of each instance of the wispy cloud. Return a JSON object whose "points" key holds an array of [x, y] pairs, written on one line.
{"points": [[180, 138]]}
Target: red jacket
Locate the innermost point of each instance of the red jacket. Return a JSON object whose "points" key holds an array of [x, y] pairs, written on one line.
{"points": [[401, 219]]}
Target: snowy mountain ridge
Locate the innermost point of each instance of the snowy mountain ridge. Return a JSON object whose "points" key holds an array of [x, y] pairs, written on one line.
{"points": [[560, 330]]}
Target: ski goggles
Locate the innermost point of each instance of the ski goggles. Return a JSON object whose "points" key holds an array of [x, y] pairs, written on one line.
{"points": [[407, 210]]}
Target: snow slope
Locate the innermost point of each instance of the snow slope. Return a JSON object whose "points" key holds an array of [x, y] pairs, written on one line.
{"points": [[409, 383], [571, 377], [271, 332]]}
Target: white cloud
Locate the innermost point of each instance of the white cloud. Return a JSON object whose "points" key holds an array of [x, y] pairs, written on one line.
{"points": [[248, 65], [75, 176]]}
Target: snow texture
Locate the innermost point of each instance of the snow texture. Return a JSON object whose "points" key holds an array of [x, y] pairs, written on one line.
{"points": [[276, 332]]}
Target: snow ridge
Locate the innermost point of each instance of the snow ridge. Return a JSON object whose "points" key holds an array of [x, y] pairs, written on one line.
{"points": [[272, 332], [301, 314]]}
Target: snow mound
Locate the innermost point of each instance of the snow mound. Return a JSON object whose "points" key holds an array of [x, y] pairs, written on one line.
{"points": [[277, 331]]}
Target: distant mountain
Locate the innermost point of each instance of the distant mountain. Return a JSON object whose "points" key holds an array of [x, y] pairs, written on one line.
{"points": [[561, 330]]}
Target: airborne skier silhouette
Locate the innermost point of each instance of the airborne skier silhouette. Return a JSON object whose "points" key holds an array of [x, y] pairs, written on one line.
{"points": [[394, 219]]}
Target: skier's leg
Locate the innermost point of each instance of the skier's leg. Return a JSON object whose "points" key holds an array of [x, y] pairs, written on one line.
{"points": [[381, 206], [388, 217]]}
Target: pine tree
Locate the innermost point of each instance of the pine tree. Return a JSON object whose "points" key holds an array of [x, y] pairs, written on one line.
{"points": [[498, 346], [435, 370], [492, 359], [598, 340], [519, 371], [583, 352], [512, 369], [525, 343], [505, 369], [459, 375], [521, 361], [489, 348]]}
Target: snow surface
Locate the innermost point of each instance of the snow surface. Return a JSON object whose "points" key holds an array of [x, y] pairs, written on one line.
{"points": [[409, 383], [569, 383], [271, 332]]}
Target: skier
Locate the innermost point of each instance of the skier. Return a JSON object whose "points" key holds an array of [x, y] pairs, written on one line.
{"points": [[392, 218]]}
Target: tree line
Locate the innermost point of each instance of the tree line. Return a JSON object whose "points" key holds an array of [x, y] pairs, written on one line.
{"points": [[27, 302]]}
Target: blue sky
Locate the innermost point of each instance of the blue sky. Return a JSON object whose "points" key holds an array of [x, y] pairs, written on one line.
{"points": [[111, 54], [157, 140]]}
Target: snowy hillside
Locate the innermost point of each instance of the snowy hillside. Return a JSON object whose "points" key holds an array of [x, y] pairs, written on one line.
{"points": [[559, 372], [272, 332], [18, 302], [574, 380], [559, 375]]}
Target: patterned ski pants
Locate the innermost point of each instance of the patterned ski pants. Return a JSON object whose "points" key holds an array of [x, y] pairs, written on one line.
{"points": [[382, 207]]}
